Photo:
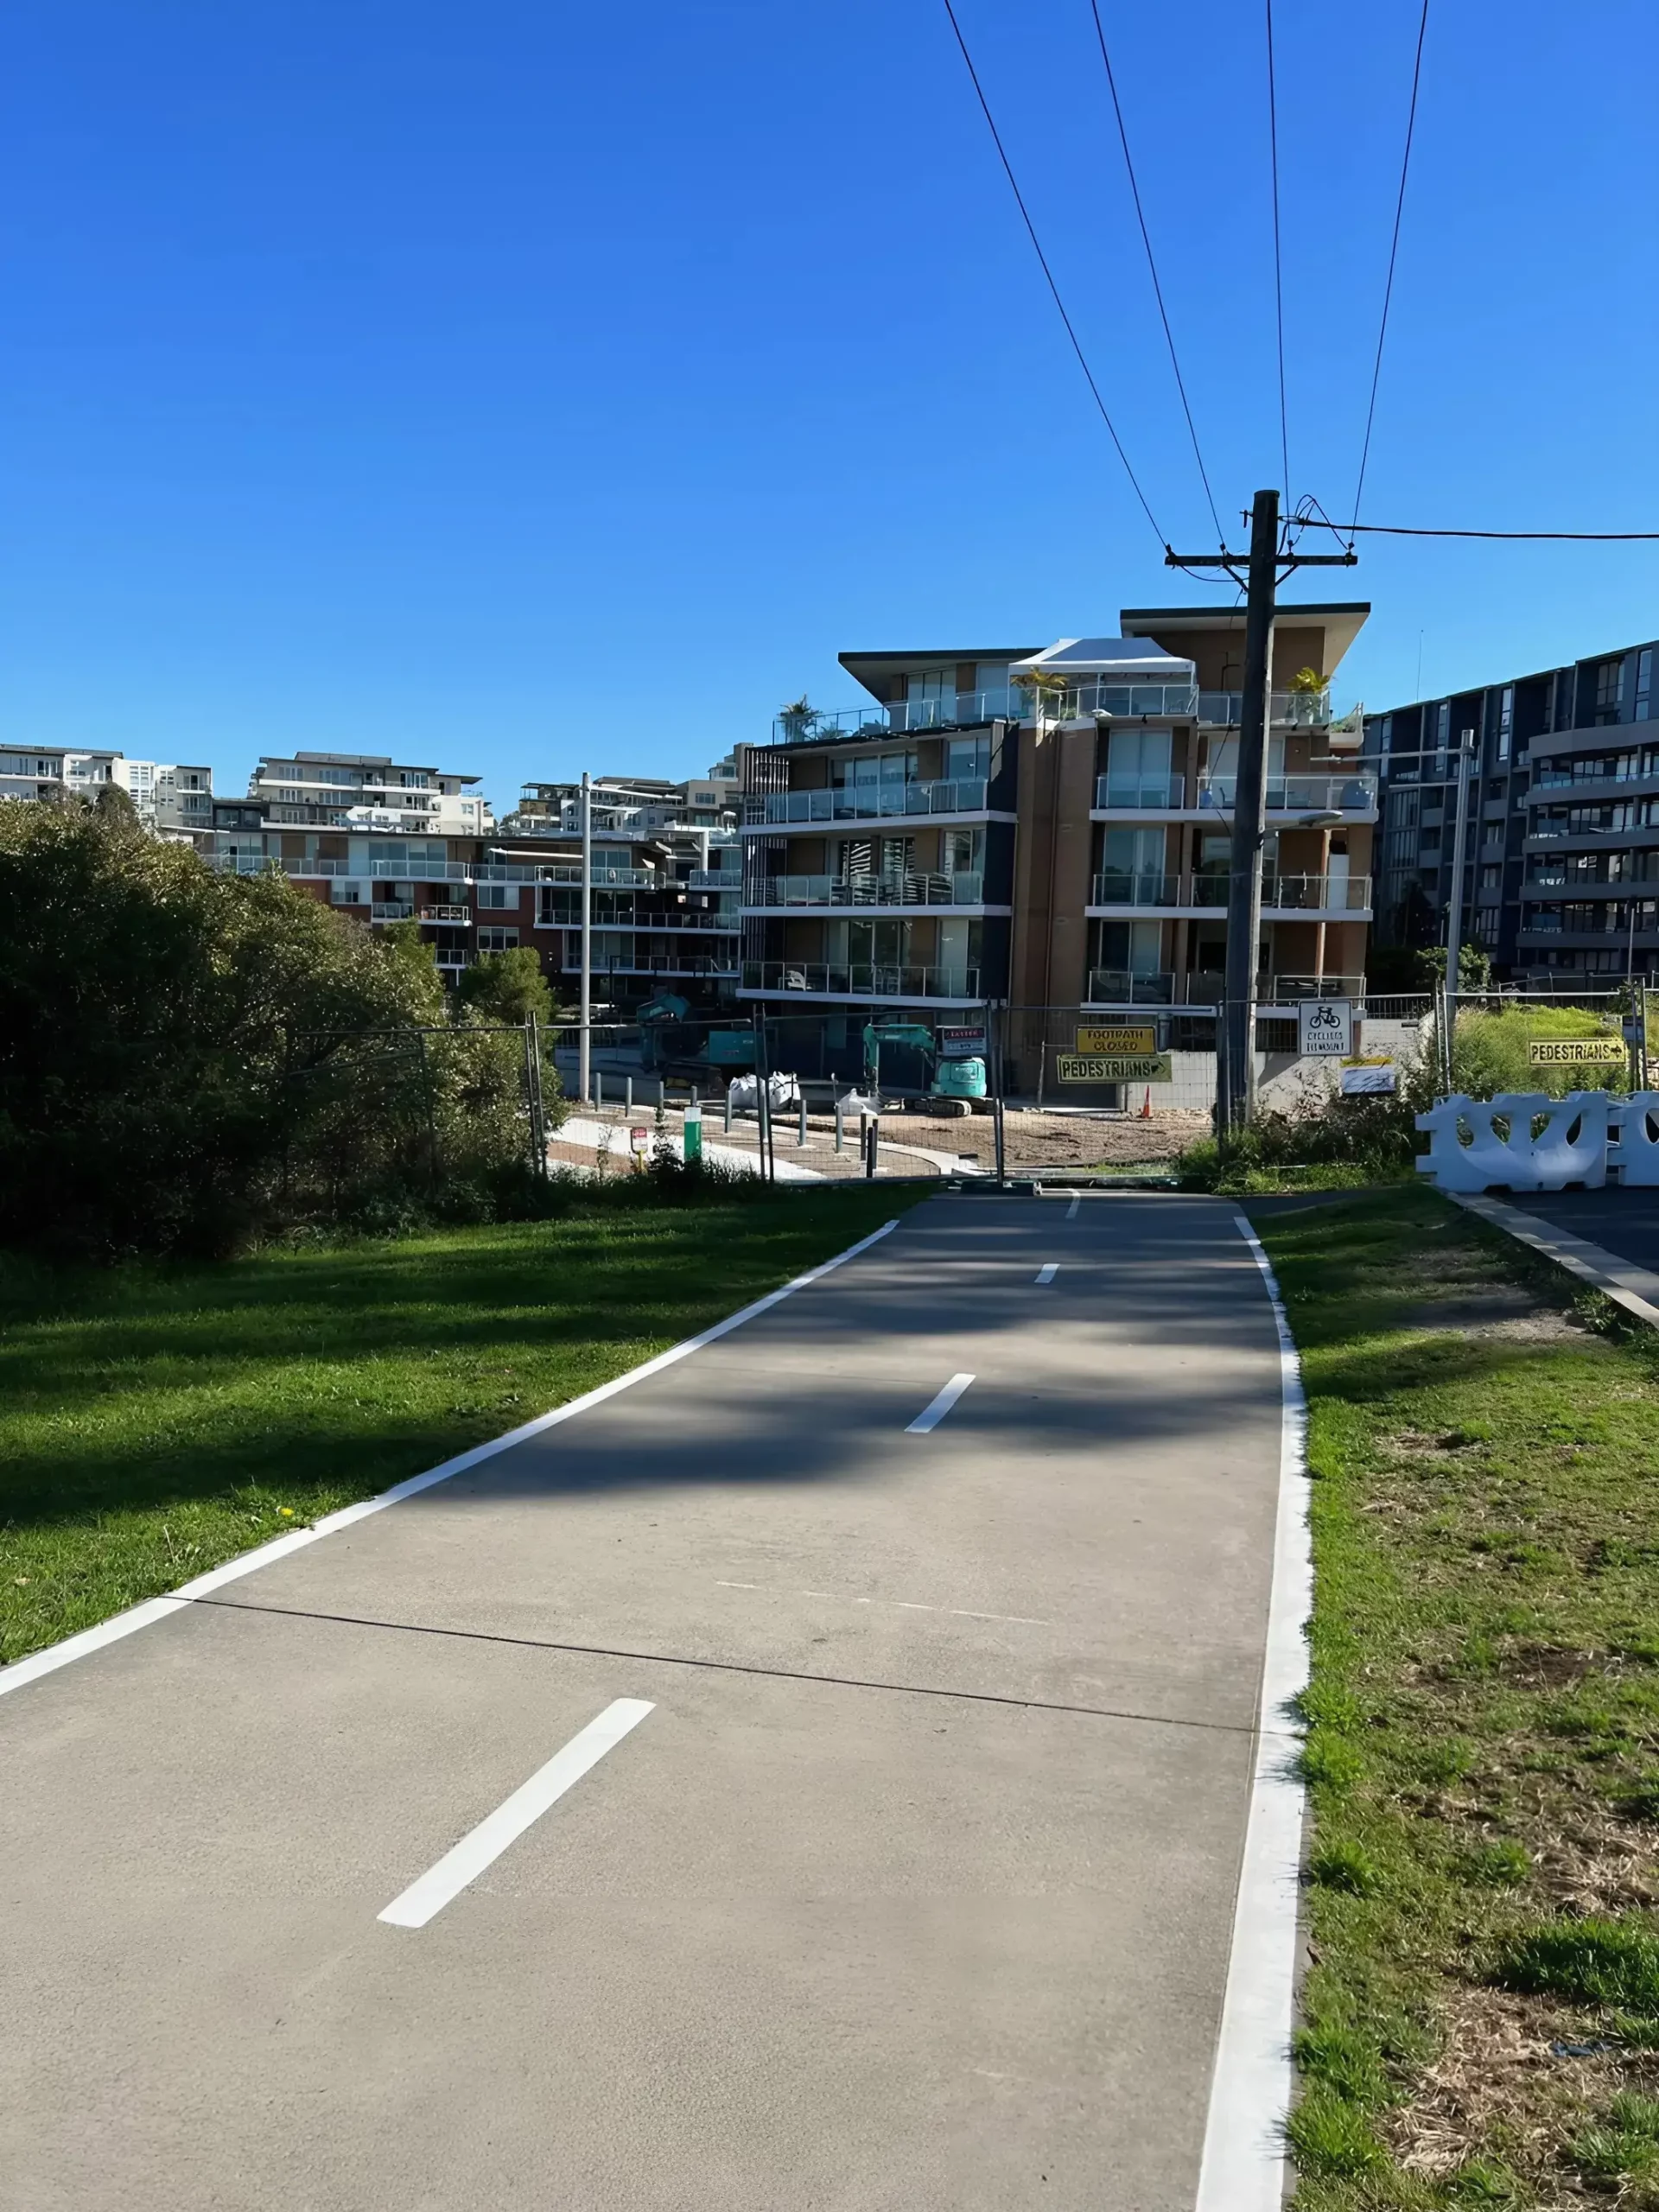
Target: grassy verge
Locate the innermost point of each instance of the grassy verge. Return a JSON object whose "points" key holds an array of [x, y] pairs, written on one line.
{"points": [[1481, 2016], [156, 1420]]}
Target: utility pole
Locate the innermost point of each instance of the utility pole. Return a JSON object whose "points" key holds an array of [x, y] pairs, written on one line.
{"points": [[1454, 904], [1236, 1046], [583, 1053]]}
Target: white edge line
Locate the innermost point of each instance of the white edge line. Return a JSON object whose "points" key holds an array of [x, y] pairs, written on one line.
{"points": [[45, 1661], [936, 1408], [1242, 2168], [1071, 1211], [482, 1845]]}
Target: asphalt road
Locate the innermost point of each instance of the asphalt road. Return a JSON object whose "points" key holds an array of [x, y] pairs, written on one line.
{"points": [[912, 1889], [1623, 1222]]}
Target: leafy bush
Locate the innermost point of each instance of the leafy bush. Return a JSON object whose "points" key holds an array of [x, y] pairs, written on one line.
{"points": [[188, 1060]]}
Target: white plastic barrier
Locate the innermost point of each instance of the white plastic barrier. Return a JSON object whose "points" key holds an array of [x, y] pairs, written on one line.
{"points": [[1635, 1158], [1571, 1145]]}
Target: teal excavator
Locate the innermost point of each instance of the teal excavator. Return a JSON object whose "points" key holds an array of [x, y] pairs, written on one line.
{"points": [[954, 1083]]}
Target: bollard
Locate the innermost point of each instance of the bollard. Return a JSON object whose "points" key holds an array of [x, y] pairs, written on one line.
{"points": [[841, 1124], [627, 1095], [801, 1136], [729, 1109], [599, 1091]]}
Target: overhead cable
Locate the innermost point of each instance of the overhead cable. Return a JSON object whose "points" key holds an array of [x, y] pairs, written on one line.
{"points": [[1394, 255], [1278, 261], [1030, 231], [1152, 264]]}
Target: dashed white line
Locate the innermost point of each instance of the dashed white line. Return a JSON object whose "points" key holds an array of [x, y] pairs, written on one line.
{"points": [[1047, 1272], [932, 1414], [484, 1843], [901, 1605]]}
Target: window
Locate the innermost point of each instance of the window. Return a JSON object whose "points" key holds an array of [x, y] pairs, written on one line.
{"points": [[1491, 878], [1442, 735], [1565, 710], [498, 895], [1644, 685], [1610, 687], [497, 940], [1505, 719], [967, 759]]}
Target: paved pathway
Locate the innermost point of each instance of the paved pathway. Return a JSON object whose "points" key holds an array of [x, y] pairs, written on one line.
{"points": [[892, 1863]]}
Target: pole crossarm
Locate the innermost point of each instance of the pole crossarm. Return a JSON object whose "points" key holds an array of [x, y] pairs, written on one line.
{"points": [[1287, 562]]}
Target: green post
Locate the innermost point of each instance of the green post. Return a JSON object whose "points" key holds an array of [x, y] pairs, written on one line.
{"points": [[692, 1133]]}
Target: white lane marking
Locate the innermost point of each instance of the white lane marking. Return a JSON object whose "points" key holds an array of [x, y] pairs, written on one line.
{"points": [[154, 1609], [1071, 1211], [934, 1413], [1047, 1272], [904, 1605], [485, 1843], [1243, 2163]]}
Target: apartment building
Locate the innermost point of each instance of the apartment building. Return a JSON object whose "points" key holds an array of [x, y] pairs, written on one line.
{"points": [[1052, 826], [1561, 843], [176, 801], [388, 842]]}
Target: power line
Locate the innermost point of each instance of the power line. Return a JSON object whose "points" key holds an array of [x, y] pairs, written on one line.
{"points": [[1394, 252], [1278, 264], [1575, 536], [1158, 289], [1030, 231]]}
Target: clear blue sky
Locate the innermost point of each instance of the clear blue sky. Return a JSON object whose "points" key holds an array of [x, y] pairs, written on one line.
{"points": [[530, 387]]}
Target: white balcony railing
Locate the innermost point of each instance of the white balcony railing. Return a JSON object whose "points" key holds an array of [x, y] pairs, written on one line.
{"points": [[1125, 986], [964, 888]]}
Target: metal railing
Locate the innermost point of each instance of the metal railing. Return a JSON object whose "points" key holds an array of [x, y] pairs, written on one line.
{"points": [[1292, 710], [964, 888], [861, 980], [1355, 794], [1015, 702], [715, 878], [866, 802], [391, 911], [1105, 697], [655, 963], [1120, 887], [1117, 789], [956, 709], [1125, 986], [446, 915]]}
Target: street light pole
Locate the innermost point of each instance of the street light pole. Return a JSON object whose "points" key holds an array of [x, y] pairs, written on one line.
{"points": [[1455, 905], [583, 1053]]}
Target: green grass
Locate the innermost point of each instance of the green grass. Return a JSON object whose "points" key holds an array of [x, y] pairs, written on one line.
{"points": [[156, 1421], [1483, 1748]]}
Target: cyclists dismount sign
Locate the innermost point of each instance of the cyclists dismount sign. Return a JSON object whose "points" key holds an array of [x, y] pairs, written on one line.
{"points": [[1326, 1028]]}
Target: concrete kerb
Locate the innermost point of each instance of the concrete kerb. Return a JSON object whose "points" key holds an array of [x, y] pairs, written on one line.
{"points": [[1636, 1289]]}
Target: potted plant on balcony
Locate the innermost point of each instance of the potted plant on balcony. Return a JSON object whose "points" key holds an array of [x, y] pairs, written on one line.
{"points": [[798, 719]]}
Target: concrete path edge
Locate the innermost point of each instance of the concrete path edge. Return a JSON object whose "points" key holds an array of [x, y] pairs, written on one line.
{"points": [[1620, 1280], [1243, 2163], [149, 1609]]}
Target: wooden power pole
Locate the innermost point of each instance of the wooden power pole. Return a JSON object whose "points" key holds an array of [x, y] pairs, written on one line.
{"points": [[1263, 565]]}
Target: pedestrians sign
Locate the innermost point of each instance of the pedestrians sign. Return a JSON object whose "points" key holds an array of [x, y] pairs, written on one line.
{"points": [[1576, 1051], [1326, 1028], [1112, 1067]]}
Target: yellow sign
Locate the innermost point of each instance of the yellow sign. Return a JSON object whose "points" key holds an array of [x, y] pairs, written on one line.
{"points": [[1577, 1052], [1114, 1067], [1141, 1038]]}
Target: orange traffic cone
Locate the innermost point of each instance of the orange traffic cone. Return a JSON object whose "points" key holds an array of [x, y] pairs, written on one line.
{"points": [[1146, 1107]]}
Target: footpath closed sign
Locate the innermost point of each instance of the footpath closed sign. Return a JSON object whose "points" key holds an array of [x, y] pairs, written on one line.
{"points": [[1576, 1053], [1326, 1028], [1121, 1037]]}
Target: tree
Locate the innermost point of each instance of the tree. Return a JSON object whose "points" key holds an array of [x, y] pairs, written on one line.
{"points": [[187, 1056], [507, 987]]}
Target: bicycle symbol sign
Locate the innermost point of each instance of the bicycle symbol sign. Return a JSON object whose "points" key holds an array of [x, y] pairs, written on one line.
{"points": [[1327, 1026]]}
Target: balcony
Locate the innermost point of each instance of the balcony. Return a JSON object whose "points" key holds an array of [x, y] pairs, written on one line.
{"points": [[862, 982], [448, 914], [1164, 702], [1121, 886], [715, 878], [865, 803], [392, 910], [957, 710], [1296, 794], [602, 879], [1123, 987], [655, 963], [964, 888], [1166, 793], [1289, 709]]}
